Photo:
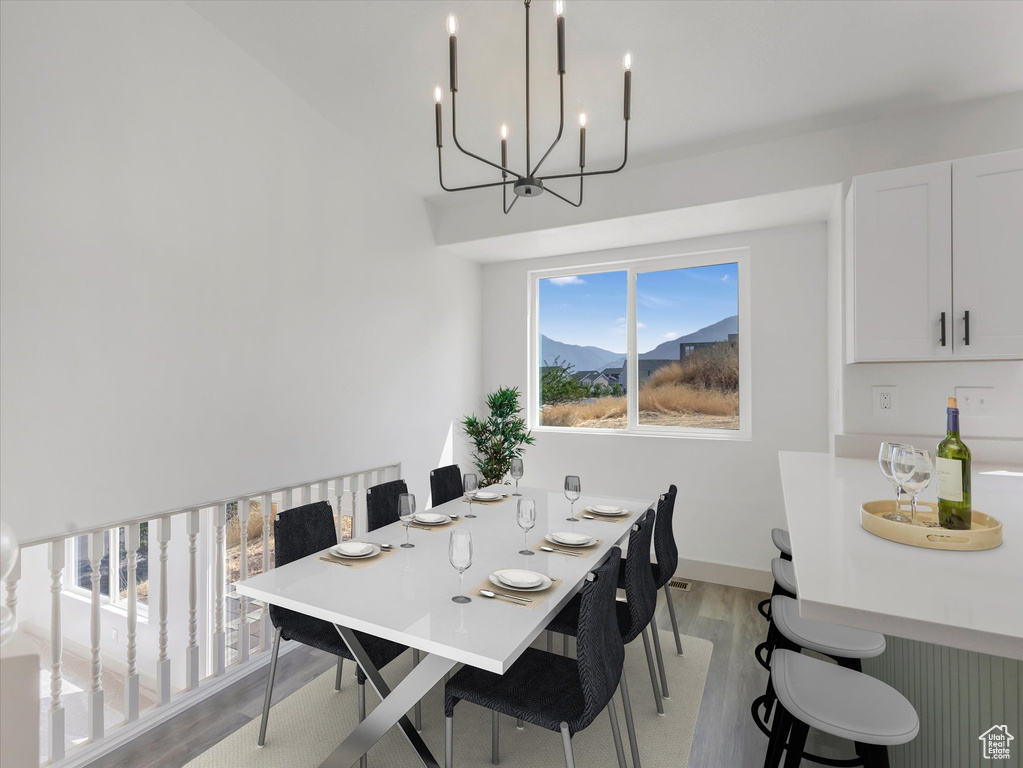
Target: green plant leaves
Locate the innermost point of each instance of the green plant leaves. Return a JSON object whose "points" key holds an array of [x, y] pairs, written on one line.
{"points": [[500, 437]]}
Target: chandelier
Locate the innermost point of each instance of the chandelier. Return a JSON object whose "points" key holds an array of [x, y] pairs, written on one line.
{"points": [[530, 183]]}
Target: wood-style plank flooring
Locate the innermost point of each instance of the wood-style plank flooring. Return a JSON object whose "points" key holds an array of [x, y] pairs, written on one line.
{"points": [[725, 736]]}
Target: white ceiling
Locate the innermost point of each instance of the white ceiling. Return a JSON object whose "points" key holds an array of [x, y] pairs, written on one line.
{"points": [[706, 74]]}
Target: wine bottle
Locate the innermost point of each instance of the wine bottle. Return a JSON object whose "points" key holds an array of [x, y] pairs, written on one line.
{"points": [[953, 460]]}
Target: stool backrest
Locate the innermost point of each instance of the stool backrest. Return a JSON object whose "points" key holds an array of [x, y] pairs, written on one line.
{"points": [[665, 548], [445, 484], [382, 503], [600, 650]]}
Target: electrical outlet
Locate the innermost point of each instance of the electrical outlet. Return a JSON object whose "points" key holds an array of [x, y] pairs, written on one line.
{"points": [[975, 402], [886, 400], [113, 634]]}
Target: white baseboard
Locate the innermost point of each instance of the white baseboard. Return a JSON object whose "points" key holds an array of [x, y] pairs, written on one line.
{"points": [[119, 735], [727, 575]]}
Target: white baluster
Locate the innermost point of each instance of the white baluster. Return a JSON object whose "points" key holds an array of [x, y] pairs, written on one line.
{"points": [[219, 636], [266, 506], [163, 680], [323, 492], [57, 553], [131, 680], [288, 499], [11, 583], [96, 688], [243, 573], [356, 525], [337, 503], [192, 523]]}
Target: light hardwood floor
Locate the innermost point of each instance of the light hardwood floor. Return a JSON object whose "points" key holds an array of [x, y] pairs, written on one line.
{"points": [[725, 736]]}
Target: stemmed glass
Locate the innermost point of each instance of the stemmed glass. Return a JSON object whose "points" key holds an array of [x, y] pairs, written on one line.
{"points": [[884, 460], [516, 473], [406, 512], [460, 557], [525, 516], [912, 468], [573, 489], [469, 487]]}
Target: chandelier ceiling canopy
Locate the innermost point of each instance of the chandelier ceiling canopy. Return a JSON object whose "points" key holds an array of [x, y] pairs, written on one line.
{"points": [[529, 182]]}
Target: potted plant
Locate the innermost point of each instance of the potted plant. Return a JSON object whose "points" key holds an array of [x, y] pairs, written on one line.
{"points": [[498, 438]]}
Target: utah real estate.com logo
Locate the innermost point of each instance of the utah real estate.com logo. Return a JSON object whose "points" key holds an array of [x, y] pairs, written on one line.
{"points": [[996, 743]]}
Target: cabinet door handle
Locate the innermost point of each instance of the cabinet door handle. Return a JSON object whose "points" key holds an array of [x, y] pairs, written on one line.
{"points": [[966, 318], [942, 329]]}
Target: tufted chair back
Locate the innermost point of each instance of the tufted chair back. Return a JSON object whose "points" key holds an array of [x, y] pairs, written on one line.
{"points": [[445, 484], [600, 651], [382, 503]]}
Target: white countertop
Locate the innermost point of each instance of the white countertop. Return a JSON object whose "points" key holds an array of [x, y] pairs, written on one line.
{"points": [[969, 600], [407, 597]]}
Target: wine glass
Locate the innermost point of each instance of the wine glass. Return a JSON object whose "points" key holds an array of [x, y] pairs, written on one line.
{"points": [[912, 468], [884, 460], [460, 557], [525, 516], [516, 473], [469, 487], [406, 511], [573, 489]]}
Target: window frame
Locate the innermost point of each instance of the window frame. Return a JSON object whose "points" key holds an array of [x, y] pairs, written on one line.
{"points": [[112, 601], [633, 268]]}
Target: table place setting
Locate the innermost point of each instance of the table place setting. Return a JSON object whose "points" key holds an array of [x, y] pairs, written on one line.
{"points": [[603, 512], [514, 586], [357, 554], [568, 544]]}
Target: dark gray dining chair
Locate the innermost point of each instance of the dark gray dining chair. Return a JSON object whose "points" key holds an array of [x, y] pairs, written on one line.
{"points": [[382, 503], [298, 533], [555, 692], [445, 484]]}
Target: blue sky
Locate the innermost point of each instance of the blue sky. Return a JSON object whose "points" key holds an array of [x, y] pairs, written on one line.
{"points": [[590, 310]]}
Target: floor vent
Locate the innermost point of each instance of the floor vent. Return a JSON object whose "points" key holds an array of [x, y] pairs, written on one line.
{"points": [[681, 584]]}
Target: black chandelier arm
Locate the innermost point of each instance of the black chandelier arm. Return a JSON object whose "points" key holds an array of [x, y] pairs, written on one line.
{"points": [[581, 174], [454, 135], [562, 197], [504, 200], [561, 125], [440, 175]]}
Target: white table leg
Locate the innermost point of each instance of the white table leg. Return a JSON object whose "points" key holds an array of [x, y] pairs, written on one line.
{"points": [[392, 708]]}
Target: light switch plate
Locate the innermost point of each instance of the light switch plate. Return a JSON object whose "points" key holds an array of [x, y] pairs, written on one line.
{"points": [[975, 402], [886, 400]]}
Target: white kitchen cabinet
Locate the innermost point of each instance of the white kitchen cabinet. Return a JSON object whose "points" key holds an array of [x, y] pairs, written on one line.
{"points": [[928, 245], [987, 255]]}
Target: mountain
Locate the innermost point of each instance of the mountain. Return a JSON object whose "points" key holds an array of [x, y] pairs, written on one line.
{"points": [[583, 358], [717, 332]]}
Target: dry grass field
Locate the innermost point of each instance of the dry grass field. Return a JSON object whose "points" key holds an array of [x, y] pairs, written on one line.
{"points": [[700, 391]]}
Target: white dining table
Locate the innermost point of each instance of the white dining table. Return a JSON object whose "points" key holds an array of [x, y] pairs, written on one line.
{"points": [[406, 598]]}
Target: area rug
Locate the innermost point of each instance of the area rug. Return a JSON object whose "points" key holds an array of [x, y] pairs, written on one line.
{"points": [[308, 725]]}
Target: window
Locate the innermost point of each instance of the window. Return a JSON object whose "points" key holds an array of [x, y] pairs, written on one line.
{"points": [[114, 539], [656, 347]]}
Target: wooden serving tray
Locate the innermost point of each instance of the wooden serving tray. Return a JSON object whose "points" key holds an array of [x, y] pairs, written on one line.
{"points": [[985, 533]]}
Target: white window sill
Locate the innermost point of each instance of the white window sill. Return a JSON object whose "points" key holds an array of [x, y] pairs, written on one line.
{"points": [[708, 434], [117, 609]]}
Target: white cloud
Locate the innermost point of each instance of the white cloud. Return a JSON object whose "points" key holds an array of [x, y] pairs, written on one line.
{"points": [[622, 321], [672, 335], [573, 280], [724, 278], [640, 325]]}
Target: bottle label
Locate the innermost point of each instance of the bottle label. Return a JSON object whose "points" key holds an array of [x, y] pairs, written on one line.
{"points": [[950, 479]]}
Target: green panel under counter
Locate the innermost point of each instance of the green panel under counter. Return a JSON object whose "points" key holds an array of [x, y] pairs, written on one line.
{"points": [[959, 695]]}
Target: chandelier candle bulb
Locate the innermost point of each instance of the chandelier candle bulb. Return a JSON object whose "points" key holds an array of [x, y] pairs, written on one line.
{"points": [[453, 52], [436, 110], [627, 64]]}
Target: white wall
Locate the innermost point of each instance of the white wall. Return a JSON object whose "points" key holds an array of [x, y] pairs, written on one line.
{"points": [[729, 491], [205, 288]]}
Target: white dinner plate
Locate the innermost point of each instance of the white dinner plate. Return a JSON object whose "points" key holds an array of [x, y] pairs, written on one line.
{"points": [[545, 583], [353, 550], [598, 509], [569, 539], [486, 496], [431, 518]]}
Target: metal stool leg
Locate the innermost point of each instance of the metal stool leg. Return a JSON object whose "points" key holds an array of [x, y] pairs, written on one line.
{"points": [[337, 678], [449, 759], [363, 761], [616, 733], [653, 673], [519, 724], [674, 621], [269, 689], [797, 741], [660, 659]]}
